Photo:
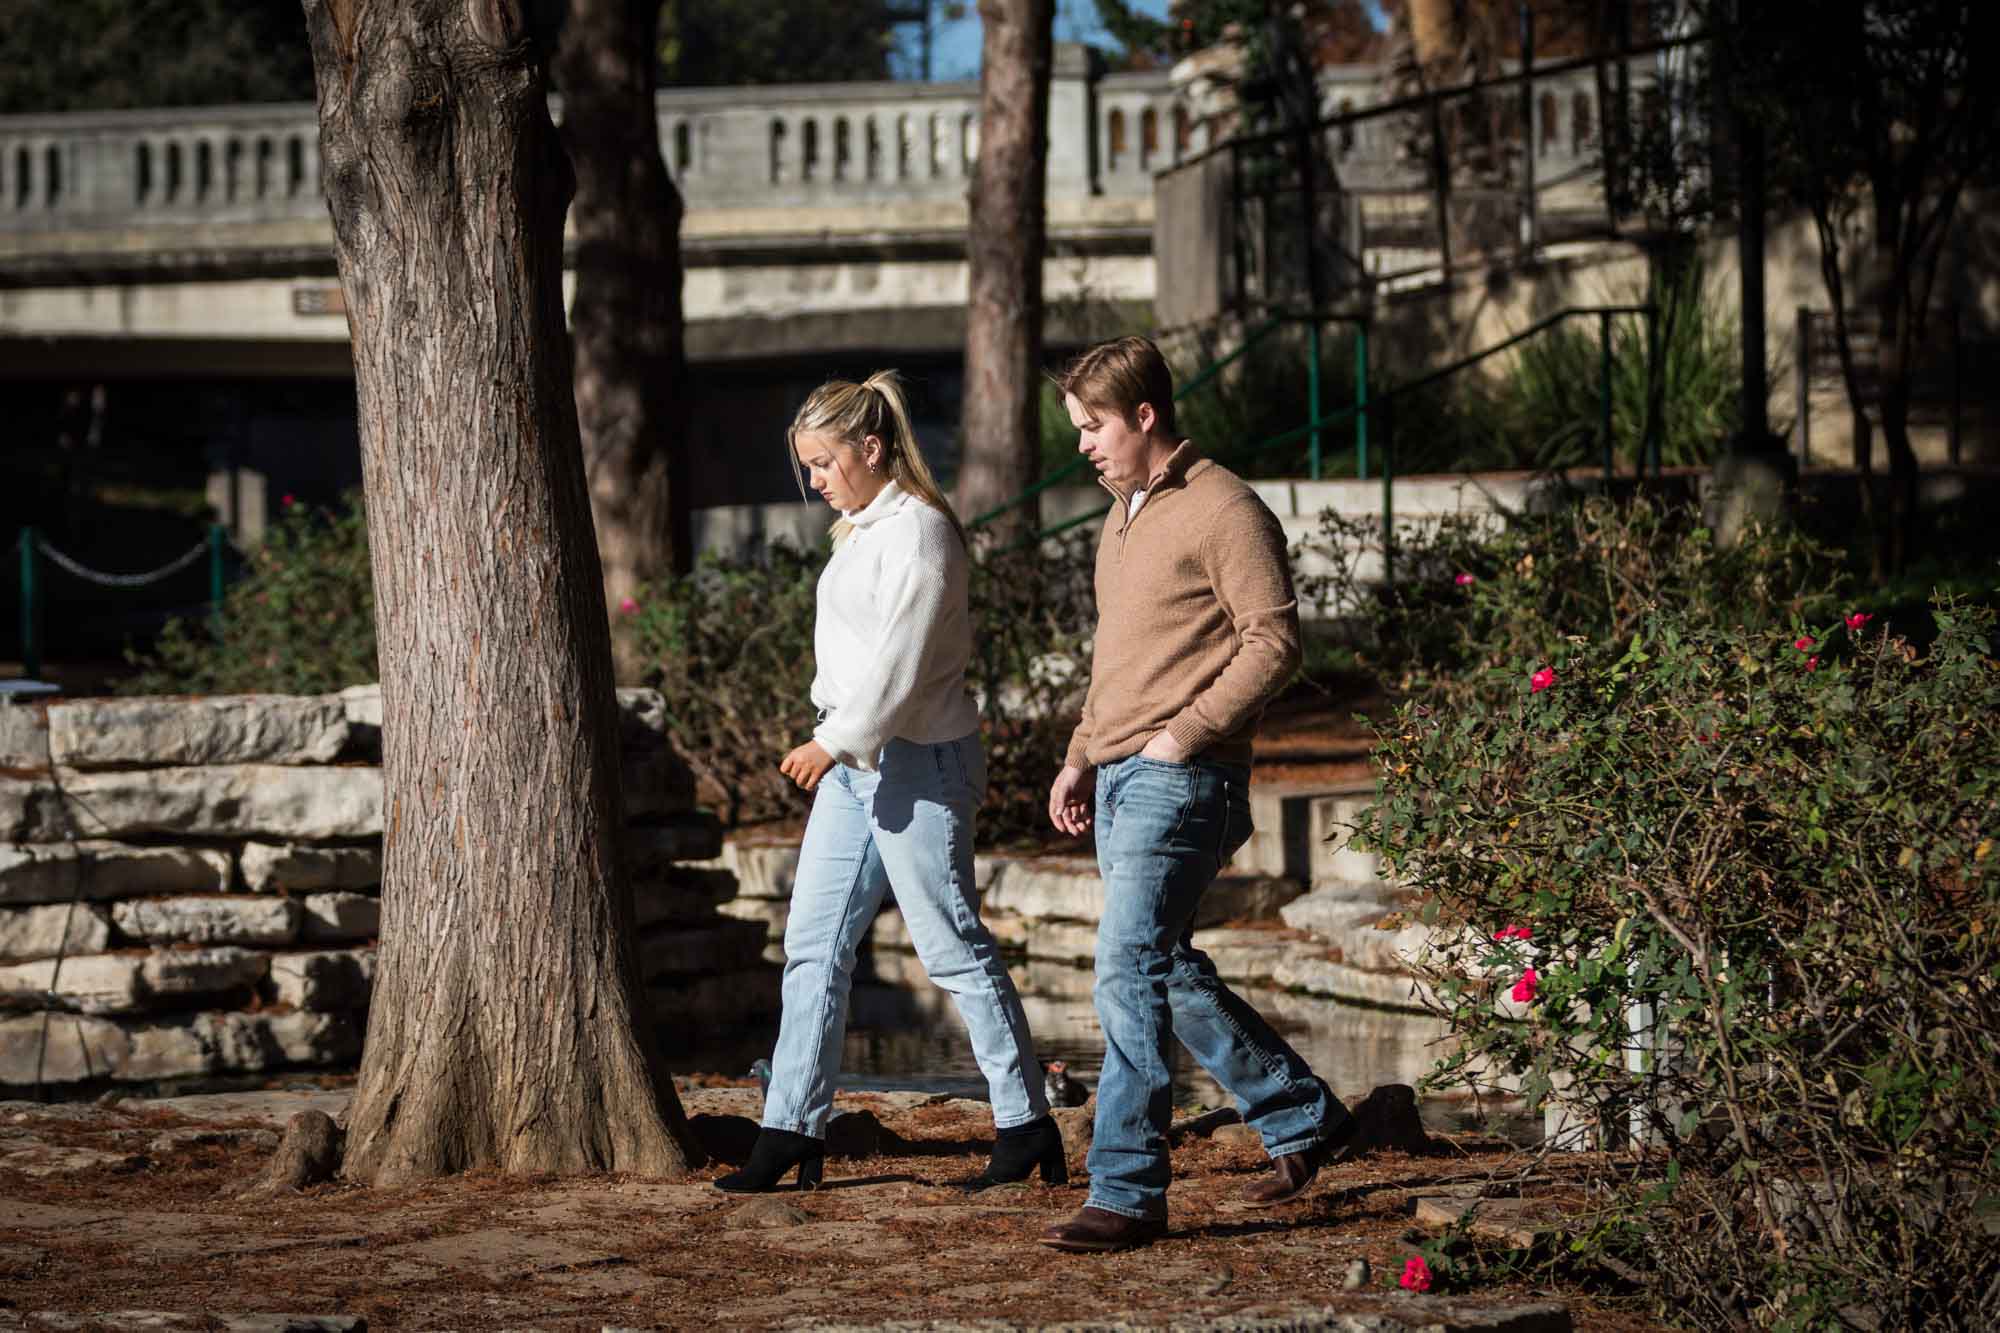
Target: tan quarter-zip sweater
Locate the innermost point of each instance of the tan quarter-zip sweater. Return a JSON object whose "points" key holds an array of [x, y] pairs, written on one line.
{"points": [[1197, 623]]}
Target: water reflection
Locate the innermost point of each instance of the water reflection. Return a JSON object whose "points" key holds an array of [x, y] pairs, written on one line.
{"points": [[903, 1034]]}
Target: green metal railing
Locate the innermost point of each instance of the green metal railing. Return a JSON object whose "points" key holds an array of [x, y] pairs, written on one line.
{"points": [[1075, 465], [1379, 405], [33, 549]]}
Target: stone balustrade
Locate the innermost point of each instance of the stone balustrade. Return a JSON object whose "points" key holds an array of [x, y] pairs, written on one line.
{"points": [[776, 147], [191, 887]]}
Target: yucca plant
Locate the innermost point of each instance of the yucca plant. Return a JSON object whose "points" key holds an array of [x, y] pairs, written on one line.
{"points": [[1551, 403]]}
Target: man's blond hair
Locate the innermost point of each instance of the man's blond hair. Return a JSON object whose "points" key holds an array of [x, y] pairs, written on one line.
{"points": [[1118, 376]]}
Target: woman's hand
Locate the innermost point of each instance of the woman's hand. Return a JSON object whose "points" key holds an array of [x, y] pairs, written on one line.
{"points": [[807, 765]]}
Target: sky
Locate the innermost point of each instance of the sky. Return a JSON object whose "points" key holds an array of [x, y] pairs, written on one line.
{"points": [[955, 47]]}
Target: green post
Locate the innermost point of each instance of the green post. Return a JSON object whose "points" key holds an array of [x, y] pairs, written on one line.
{"points": [[1361, 401], [1312, 396], [1604, 384], [1388, 434], [31, 653], [215, 536], [1655, 391]]}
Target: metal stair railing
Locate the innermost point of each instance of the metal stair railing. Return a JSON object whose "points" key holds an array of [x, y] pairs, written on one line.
{"points": [[1380, 405]]}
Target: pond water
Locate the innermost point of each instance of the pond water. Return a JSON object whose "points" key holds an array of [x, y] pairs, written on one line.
{"points": [[903, 1033]]}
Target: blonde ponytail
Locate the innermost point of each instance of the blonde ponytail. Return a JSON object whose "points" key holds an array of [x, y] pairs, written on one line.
{"points": [[850, 413]]}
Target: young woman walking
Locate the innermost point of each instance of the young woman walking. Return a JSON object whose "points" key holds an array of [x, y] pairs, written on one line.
{"points": [[896, 772]]}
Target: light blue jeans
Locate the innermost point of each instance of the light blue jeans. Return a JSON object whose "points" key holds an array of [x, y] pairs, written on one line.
{"points": [[906, 825], [1164, 831]]}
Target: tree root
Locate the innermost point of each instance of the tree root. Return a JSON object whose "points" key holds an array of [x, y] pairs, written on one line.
{"points": [[307, 1155]]}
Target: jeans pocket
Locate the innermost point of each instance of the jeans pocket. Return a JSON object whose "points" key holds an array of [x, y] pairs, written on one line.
{"points": [[1237, 825], [1158, 795]]}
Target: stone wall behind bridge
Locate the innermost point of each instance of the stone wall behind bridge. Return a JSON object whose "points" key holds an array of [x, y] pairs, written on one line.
{"points": [[190, 888]]}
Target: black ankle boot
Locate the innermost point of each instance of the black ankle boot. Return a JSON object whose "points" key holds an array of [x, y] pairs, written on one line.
{"points": [[1018, 1151], [776, 1152]]}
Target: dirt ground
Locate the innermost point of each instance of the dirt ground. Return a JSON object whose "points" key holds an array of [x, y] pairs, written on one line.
{"points": [[152, 1224]]}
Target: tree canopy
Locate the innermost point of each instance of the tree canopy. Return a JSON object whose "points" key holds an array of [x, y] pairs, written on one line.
{"points": [[98, 54], [1338, 31], [718, 43], [79, 55]]}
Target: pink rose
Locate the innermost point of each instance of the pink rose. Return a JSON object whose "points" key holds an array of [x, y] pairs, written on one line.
{"points": [[1524, 989], [626, 606], [1541, 680], [1465, 580], [1857, 619], [1803, 643], [286, 500], [1812, 663], [1416, 1275], [1514, 933]]}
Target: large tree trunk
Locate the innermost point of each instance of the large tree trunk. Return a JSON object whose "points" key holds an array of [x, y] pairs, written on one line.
{"points": [[1003, 325], [1441, 44], [625, 318], [506, 1027]]}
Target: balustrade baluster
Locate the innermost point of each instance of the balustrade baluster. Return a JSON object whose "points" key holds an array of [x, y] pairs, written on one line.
{"points": [[683, 142], [310, 170], [780, 165]]}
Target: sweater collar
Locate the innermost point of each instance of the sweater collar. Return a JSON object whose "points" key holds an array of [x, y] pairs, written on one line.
{"points": [[886, 502], [1173, 472]]}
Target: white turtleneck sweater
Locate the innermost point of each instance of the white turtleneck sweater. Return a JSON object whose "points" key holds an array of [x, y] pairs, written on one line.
{"points": [[893, 635]]}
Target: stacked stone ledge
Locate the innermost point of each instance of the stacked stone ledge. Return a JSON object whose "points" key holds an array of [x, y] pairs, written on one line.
{"points": [[191, 886], [1297, 910]]}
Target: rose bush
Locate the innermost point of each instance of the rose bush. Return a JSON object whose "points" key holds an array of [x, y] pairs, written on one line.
{"points": [[1724, 894], [1474, 591], [300, 619]]}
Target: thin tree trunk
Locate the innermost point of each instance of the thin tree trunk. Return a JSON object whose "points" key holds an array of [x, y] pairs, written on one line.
{"points": [[626, 317], [1003, 324], [506, 1027], [1826, 221]]}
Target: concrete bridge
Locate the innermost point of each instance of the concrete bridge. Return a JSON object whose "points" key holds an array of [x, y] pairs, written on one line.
{"points": [[825, 230], [820, 217]]}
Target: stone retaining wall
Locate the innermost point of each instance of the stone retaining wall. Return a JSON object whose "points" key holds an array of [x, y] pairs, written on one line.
{"points": [[1298, 909], [190, 887]]}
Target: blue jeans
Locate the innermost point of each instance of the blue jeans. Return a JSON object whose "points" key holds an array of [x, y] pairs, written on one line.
{"points": [[1164, 831], [906, 825]]}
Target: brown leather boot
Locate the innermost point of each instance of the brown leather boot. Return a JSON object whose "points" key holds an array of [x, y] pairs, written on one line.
{"points": [[1292, 1174], [1094, 1229]]}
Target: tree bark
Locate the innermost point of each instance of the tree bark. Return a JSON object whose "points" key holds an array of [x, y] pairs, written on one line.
{"points": [[625, 318], [1003, 326], [1894, 364], [506, 1028]]}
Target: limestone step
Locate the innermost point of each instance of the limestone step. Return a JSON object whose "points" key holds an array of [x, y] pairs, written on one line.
{"points": [[1301, 832], [688, 1010], [719, 945], [75, 1048]]}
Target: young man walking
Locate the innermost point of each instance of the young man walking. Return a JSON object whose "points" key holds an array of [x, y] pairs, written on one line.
{"points": [[1197, 628]]}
